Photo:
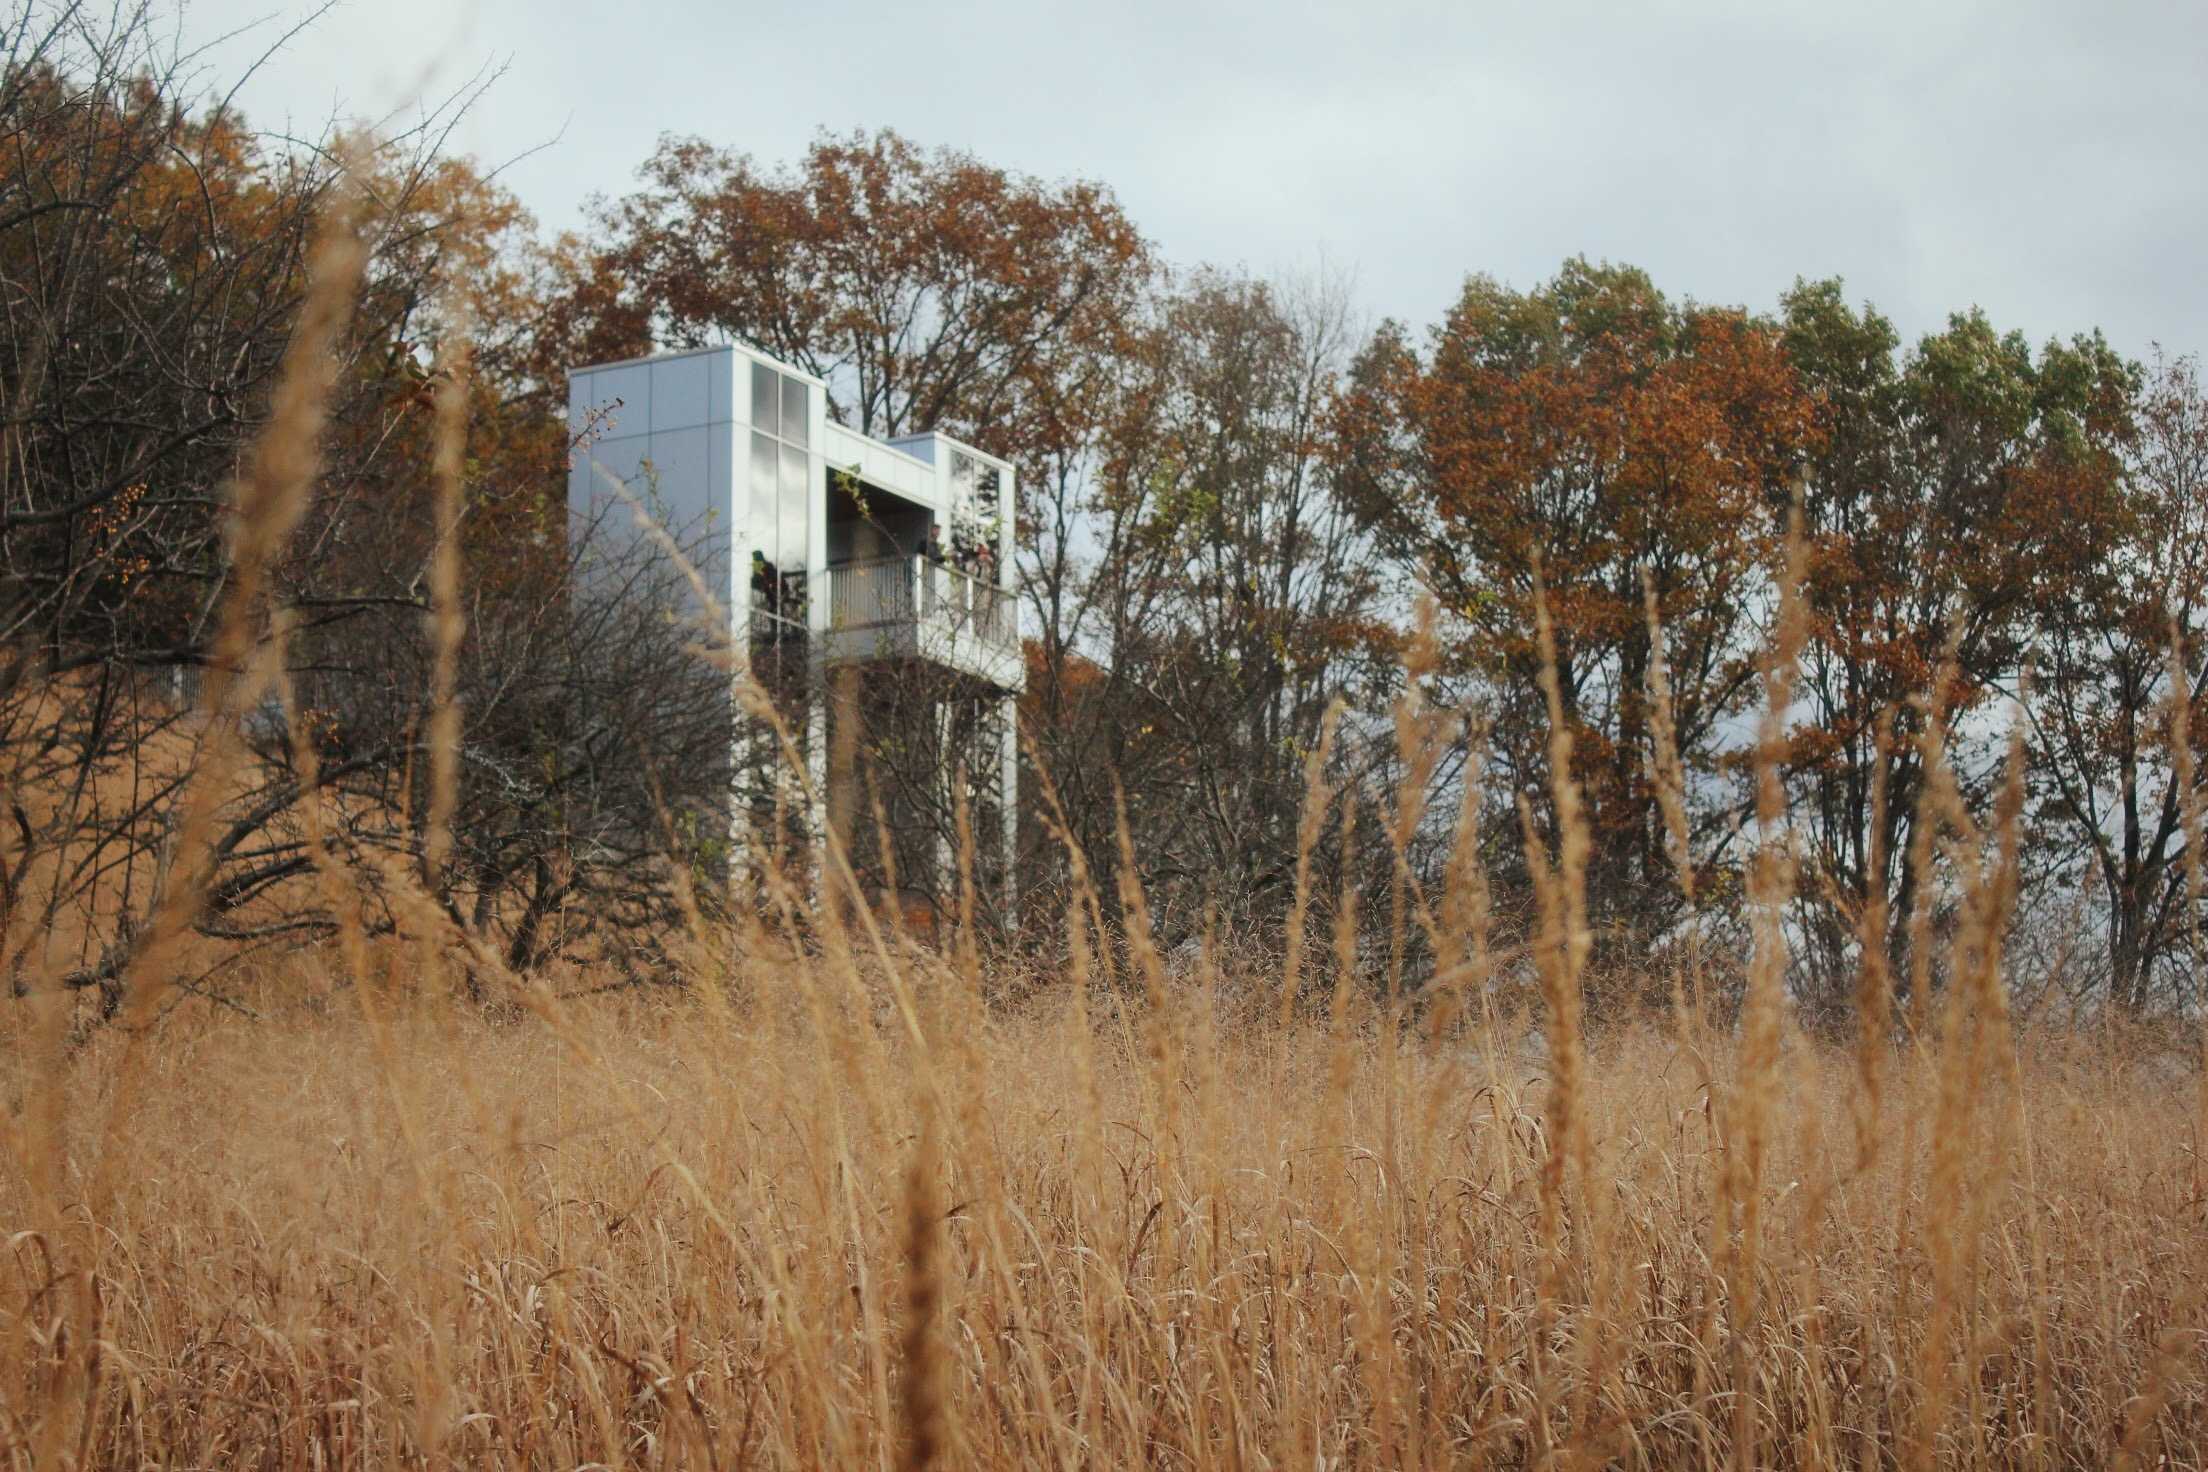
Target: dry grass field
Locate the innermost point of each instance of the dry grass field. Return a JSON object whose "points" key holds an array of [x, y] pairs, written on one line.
{"points": [[858, 1203], [855, 1220]]}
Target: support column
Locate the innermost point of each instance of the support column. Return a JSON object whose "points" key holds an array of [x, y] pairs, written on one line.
{"points": [[841, 797], [754, 764], [743, 749], [1008, 793], [816, 762], [1008, 614], [945, 877]]}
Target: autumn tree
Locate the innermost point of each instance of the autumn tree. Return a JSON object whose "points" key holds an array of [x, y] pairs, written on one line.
{"points": [[154, 254], [930, 290], [1595, 435], [2102, 702], [153, 259], [1960, 497], [1202, 594]]}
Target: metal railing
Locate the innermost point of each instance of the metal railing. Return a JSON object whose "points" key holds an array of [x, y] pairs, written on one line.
{"points": [[896, 590], [865, 594], [967, 602]]}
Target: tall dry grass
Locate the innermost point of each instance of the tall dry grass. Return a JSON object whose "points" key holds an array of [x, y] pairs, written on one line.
{"points": [[834, 1208], [683, 1235]]}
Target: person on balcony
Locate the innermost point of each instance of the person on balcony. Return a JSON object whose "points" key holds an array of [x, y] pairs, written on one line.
{"points": [[766, 587]]}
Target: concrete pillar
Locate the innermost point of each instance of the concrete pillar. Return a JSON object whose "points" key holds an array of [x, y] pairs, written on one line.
{"points": [[1008, 792], [944, 880], [817, 700]]}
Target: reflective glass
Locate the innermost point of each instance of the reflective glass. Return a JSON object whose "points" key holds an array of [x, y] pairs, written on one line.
{"points": [[765, 386], [795, 505], [797, 423], [962, 485], [765, 505]]}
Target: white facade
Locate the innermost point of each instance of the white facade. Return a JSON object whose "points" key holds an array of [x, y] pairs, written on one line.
{"points": [[876, 553]]}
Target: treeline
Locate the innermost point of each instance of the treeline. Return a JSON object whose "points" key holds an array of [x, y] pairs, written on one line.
{"points": [[1998, 540], [1239, 506]]}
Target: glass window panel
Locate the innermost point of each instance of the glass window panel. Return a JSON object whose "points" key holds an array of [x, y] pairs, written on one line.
{"points": [[797, 419], [796, 504], [764, 389], [962, 486], [765, 504]]}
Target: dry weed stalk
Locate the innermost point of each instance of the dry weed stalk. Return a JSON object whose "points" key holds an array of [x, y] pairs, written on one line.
{"points": [[1462, 935], [269, 498], [1318, 796], [1671, 801], [1874, 1012], [2185, 774], [1564, 941], [448, 626], [920, 1388], [1422, 738], [1753, 1096]]}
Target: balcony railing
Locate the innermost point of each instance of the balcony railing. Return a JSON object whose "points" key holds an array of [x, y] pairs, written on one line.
{"points": [[867, 594], [901, 590]]}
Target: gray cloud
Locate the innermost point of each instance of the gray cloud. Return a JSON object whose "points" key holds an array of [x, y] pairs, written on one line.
{"points": [[2034, 158]]}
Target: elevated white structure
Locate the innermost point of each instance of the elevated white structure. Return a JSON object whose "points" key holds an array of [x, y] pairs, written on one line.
{"points": [[826, 546]]}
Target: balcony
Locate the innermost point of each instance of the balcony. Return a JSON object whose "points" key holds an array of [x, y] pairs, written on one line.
{"points": [[910, 607]]}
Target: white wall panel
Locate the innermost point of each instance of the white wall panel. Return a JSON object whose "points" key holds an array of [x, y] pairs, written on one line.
{"points": [[720, 391], [679, 461], [632, 385], [618, 458], [681, 391], [578, 484], [732, 514]]}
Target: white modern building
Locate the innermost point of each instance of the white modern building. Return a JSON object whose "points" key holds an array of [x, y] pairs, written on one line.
{"points": [[833, 554]]}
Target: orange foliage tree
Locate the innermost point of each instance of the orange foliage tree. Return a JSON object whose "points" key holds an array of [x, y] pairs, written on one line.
{"points": [[929, 289], [1963, 498], [2107, 696], [1594, 433]]}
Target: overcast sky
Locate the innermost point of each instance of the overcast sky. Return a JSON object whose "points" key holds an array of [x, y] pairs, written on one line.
{"points": [[2041, 160]]}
